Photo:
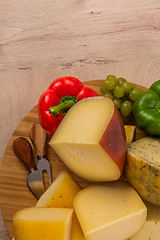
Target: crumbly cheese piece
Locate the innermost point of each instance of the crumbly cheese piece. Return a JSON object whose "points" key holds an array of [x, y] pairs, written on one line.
{"points": [[151, 229], [110, 210], [61, 194], [42, 223], [130, 131], [91, 140], [142, 168]]}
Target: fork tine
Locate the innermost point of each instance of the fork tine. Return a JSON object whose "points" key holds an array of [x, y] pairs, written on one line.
{"points": [[43, 165]]}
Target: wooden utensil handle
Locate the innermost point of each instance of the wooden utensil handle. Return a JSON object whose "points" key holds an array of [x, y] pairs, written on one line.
{"points": [[22, 148], [38, 137]]}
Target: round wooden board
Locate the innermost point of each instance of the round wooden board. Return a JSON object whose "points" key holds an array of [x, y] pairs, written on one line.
{"points": [[14, 193]]}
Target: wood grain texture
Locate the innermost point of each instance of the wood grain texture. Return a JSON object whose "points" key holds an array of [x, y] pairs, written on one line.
{"points": [[43, 40], [14, 193], [89, 32]]}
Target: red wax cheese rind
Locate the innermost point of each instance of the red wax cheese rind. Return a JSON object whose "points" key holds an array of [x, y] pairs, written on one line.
{"points": [[91, 140], [117, 147]]}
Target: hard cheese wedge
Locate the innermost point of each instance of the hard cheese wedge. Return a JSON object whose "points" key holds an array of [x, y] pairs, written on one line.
{"points": [[151, 229], [110, 211], [142, 168], [61, 194], [91, 140], [130, 133], [42, 223]]}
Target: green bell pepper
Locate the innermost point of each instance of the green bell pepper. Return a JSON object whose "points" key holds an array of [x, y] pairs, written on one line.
{"points": [[146, 110]]}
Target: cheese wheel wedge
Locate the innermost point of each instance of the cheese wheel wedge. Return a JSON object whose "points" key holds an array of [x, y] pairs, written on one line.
{"points": [[91, 140], [142, 168], [61, 194], [110, 211], [151, 229], [42, 223]]}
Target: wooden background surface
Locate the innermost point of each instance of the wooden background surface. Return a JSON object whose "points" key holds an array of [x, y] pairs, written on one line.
{"points": [[88, 39]]}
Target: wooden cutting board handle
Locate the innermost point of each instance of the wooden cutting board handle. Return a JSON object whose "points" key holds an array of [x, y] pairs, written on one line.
{"points": [[38, 137], [22, 148]]}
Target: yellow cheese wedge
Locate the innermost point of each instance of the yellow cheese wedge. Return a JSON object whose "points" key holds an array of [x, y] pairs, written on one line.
{"points": [[91, 140], [151, 229], [42, 223], [76, 230], [130, 131], [142, 168], [61, 194], [111, 211]]}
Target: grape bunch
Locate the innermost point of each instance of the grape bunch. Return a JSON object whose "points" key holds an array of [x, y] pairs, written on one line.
{"points": [[123, 94]]}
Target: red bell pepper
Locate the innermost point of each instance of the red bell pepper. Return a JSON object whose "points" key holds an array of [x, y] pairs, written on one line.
{"points": [[61, 94]]}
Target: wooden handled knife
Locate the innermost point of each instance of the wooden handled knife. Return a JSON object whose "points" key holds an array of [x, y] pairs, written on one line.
{"points": [[22, 148]]}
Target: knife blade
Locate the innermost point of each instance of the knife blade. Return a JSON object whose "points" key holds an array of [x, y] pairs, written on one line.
{"points": [[38, 137], [23, 150]]}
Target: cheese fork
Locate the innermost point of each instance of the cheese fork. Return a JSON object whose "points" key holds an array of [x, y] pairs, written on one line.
{"points": [[38, 137], [23, 150]]}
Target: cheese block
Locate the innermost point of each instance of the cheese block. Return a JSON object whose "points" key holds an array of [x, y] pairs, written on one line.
{"points": [[42, 223], [151, 229], [130, 132], [111, 210], [61, 194], [142, 168], [91, 140]]}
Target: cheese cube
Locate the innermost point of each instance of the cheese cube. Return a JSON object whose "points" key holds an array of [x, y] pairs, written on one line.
{"points": [[142, 168], [42, 223], [91, 140], [61, 194], [111, 211], [151, 229]]}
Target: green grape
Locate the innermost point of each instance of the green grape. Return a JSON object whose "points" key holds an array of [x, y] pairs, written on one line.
{"points": [[121, 80], [134, 87], [126, 108], [110, 95], [113, 78], [117, 102], [104, 90], [123, 94], [127, 87], [125, 118], [109, 84], [135, 93], [118, 91]]}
